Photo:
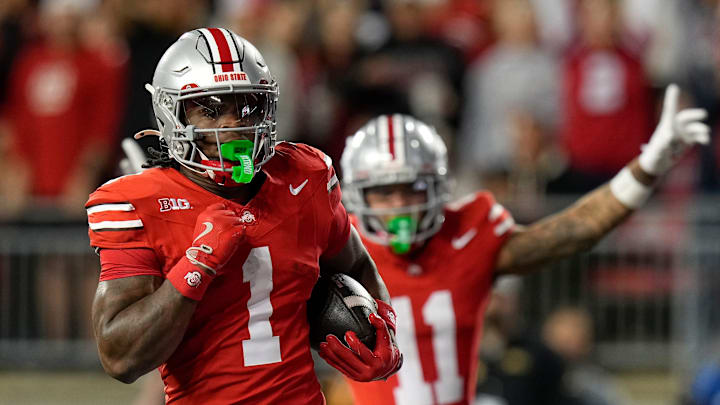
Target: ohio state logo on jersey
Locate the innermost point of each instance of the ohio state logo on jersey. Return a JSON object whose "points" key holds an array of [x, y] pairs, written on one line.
{"points": [[247, 217], [173, 204], [193, 278]]}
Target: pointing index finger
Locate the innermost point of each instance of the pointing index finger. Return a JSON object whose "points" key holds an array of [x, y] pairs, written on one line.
{"points": [[670, 102]]}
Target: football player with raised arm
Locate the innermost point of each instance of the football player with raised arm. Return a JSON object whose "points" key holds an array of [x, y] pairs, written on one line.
{"points": [[439, 260], [208, 259]]}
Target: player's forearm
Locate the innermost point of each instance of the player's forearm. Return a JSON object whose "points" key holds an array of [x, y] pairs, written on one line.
{"points": [[355, 261], [369, 277], [143, 334], [573, 230]]}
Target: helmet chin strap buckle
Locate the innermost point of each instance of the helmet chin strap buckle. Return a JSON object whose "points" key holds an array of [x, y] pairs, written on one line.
{"points": [[190, 132], [209, 173]]}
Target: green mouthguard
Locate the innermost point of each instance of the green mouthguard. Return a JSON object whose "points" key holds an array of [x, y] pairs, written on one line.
{"points": [[402, 229], [239, 151]]}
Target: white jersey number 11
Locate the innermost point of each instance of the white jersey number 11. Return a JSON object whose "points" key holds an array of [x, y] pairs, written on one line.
{"points": [[438, 313]]}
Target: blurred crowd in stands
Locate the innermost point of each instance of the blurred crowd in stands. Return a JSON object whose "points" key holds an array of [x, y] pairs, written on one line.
{"points": [[533, 96]]}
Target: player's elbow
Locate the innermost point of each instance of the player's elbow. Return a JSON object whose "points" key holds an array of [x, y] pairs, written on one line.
{"points": [[119, 360], [122, 374], [120, 369]]}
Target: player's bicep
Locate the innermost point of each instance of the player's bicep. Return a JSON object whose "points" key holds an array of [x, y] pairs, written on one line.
{"points": [[351, 259], [354, 260], [338, 229], [113, 296], [506, 259], [126, 276]]}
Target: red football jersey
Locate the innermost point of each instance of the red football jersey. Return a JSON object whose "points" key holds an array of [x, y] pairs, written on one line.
{"points": [[248, 340], [62, 103], [607, 108], [439, 297]]}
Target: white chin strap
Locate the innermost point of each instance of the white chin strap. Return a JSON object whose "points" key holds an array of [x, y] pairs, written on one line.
{"points": [[208, 173], [375, 223]]}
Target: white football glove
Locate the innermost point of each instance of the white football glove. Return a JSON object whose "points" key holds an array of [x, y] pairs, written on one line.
{"points": [[675, 133]]}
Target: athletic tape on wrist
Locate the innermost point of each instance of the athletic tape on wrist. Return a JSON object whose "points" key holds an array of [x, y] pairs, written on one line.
{"points": [[628, 190], [189, 279]]}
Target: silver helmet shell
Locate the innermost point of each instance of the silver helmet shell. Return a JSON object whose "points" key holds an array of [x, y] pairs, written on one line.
{"points": [[395, 149], [207, 62]]}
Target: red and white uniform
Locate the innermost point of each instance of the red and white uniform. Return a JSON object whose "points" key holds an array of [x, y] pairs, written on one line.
{"points": [[62, 103], [247, 342], [608, 109], [439, 297]]}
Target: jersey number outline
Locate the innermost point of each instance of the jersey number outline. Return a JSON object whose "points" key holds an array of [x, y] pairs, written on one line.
{"points": [[439, 314], [262, 347]]}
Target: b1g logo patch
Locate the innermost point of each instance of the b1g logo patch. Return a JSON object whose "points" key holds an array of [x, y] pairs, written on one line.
{"points": [[173, 204], [193, 278]]}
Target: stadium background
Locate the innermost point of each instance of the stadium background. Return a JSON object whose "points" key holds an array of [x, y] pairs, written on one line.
{"points": [[539, 100]]}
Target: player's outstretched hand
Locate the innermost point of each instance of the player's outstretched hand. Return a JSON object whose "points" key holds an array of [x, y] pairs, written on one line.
{"points": [[675, 133], [358, 362], [218, 230]]}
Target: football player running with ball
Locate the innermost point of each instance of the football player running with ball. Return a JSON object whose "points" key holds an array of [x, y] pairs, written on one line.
{"points": [[207, 261], [439, 261]]}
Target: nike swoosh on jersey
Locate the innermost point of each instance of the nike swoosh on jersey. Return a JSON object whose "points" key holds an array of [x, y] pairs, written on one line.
{"points": [[460, 242], [298, 189], [208, 228]]}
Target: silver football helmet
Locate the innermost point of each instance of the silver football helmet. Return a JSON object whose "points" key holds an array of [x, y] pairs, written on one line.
{"points": [[207, 68], [396, 149]]}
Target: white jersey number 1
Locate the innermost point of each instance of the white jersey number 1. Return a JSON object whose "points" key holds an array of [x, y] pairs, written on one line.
{"points": [[262, 347]]}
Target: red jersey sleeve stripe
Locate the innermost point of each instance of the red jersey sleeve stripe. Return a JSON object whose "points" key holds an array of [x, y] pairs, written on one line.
{"points": [[124, 206], [503, 227], [333, 181], [501, 219], [114, 215], [115, 225], [495, 212]]}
